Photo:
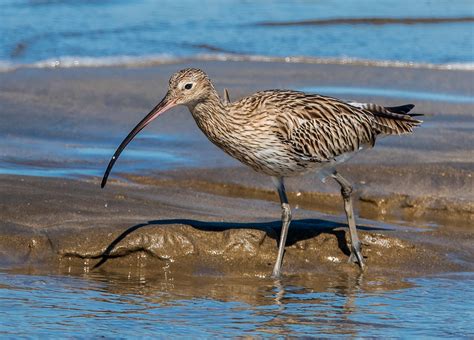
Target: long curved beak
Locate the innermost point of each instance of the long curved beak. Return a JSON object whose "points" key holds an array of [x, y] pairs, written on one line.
{"points": [[163, 106]]}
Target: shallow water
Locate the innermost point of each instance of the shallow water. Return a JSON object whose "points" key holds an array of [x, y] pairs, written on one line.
{"points": [[93, 304], [71, 33], [77, 158]]}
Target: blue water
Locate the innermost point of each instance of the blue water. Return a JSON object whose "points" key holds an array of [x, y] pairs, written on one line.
{"points": [[110, 306], [74, 33]]}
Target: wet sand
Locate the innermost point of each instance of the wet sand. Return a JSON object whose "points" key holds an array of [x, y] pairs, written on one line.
{"points": [[212, 216]]}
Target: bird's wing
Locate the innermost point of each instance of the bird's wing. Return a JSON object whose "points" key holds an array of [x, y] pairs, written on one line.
{"points": [[320, 128], [324, 140]]}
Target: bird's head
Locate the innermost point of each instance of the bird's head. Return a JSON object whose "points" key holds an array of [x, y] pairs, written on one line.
{"points": [[186, 87], [189, 87]]}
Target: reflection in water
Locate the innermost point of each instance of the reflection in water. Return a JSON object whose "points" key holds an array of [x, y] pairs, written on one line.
{"points": [[344, 303], [297, 307]]}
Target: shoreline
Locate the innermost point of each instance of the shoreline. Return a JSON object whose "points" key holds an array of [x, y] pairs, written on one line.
{"points": [[415, 199]]}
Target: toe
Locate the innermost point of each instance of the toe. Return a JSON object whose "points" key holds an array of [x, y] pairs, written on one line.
{"points": [[356, 255]]}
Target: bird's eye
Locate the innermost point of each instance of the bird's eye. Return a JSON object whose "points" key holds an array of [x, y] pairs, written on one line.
{"points": [[188, 86]]}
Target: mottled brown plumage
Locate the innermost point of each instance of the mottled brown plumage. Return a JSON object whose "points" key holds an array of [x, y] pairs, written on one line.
{"points": [[283, 133]]}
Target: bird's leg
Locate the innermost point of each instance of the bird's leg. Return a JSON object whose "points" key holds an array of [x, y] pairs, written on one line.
{"points": [[346, 190], [285, 223]]}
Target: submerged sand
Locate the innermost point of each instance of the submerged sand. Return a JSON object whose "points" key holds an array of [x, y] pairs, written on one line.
{"points": [[413, 194]]}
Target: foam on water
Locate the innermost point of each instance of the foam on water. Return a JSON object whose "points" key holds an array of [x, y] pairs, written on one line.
{"points": [[151, 60]]}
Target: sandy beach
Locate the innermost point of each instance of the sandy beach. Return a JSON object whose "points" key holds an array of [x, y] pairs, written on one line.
{"points": [[210, 215], [183, 239]]}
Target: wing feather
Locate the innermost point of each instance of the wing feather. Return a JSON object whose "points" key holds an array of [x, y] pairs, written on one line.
{"points": [[323, 140]]}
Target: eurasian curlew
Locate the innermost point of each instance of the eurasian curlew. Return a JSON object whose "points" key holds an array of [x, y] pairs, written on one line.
{"points": [[283, 133]]}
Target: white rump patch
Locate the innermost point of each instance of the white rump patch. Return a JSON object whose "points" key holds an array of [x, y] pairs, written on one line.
{"points": [[358, 105]]}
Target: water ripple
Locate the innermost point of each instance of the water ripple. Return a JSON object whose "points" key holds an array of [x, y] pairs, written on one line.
{"points": [[202, 307]]}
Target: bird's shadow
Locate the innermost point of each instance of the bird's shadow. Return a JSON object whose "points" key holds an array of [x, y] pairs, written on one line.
{"points": [[300, 230]]}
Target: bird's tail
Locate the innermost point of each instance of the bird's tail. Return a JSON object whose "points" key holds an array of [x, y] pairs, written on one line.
{"points": [[396, 120]]}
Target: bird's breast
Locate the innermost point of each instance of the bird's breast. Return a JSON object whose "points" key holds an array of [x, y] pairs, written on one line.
{"points": [[262, 152], [254, 142]]}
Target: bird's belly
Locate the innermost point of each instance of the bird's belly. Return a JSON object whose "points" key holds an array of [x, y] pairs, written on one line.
{"points": [[266, 154], [281, 162], [273, 161]]}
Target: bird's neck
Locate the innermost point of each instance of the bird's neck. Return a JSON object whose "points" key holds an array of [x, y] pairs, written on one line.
{"points": [[211, 115]]}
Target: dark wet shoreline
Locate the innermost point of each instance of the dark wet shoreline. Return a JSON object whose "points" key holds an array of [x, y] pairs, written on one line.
{"points": [[69, 226]]}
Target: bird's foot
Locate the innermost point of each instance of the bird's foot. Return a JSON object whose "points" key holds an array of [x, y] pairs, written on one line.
{"points": [[276, 273], [356, 255]]}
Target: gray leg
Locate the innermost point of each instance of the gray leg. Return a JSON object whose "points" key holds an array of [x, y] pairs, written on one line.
{"points": [[285, 223], [346, 190]]}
